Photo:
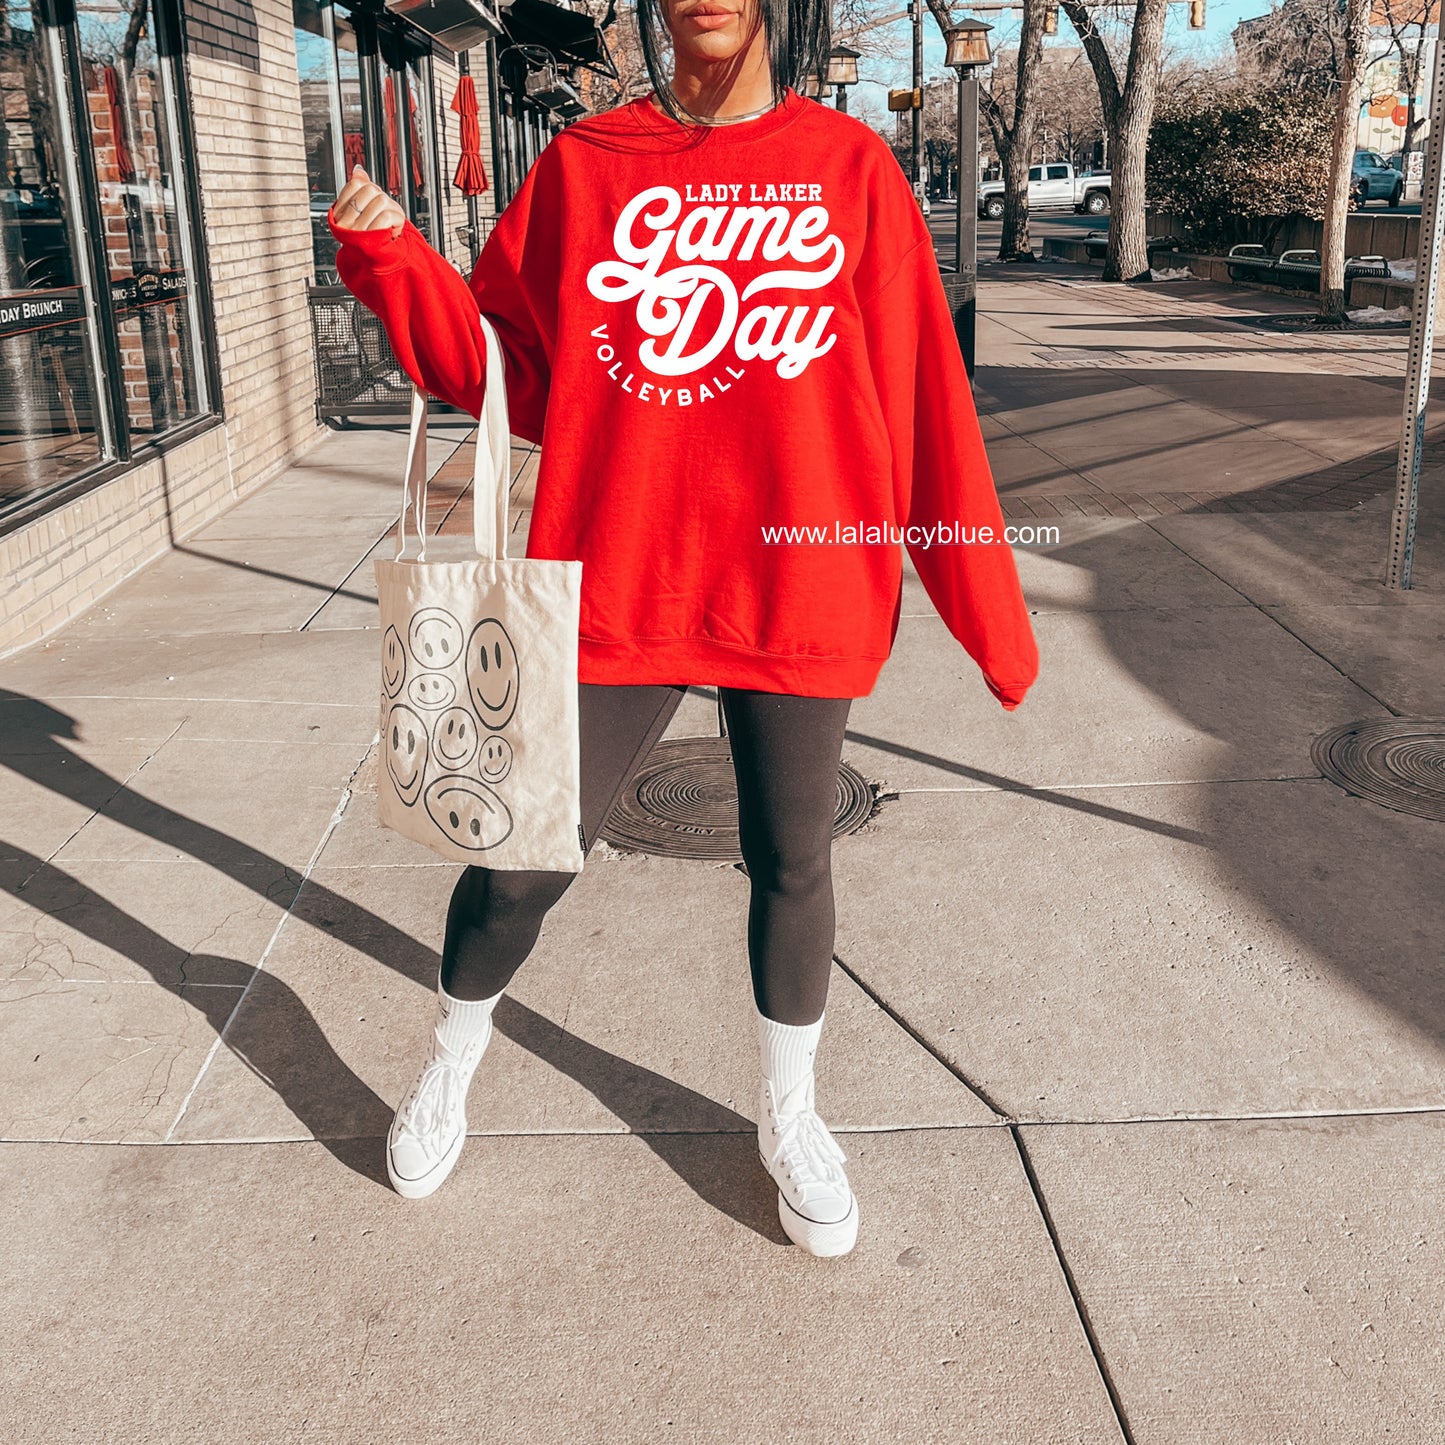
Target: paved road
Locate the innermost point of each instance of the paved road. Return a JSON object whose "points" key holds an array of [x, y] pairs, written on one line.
{"points": [[1041, 224]]}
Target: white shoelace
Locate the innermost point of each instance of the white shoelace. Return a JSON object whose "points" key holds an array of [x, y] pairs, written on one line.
{"points": [[438, 1097], [811, 1156]]}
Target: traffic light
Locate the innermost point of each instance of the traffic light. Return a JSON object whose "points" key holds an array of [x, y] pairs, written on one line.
{"points": [[1196, 14], [1051, 20]]}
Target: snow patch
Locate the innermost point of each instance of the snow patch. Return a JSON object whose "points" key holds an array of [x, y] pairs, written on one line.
{"points": [[1378, 315], [1182, 273]]}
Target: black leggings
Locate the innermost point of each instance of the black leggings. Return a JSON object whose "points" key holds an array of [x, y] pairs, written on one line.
{"points": [[785, 751]]}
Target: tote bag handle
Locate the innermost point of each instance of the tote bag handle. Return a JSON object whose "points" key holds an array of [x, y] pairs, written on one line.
{"points": [[491, 471]]}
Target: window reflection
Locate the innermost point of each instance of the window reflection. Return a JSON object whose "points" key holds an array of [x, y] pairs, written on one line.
{"points": [[142, 213], [49, 428]]}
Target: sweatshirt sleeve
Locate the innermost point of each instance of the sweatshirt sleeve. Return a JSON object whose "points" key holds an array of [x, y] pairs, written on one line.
{"points": [[941, 474], [431, 313]]}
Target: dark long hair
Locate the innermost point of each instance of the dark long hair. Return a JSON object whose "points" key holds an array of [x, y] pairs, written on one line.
{"points": [[799, 35]]}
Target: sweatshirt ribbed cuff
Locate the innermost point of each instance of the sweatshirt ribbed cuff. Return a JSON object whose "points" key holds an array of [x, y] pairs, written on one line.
{"points": [[383, 251]]}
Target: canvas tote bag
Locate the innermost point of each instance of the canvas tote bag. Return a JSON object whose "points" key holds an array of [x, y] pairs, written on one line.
{"points": [[479, 756]]}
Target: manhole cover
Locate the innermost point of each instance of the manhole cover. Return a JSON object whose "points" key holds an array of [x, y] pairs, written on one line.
{"points": [[1396, 762], [1307, 322], [683, 803]]}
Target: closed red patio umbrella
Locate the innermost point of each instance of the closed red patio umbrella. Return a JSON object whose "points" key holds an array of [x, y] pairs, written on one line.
{"points": [[471, 177], [124, 165]]}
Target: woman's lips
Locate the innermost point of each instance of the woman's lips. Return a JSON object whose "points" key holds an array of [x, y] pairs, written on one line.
{"points": [[711, 21]]}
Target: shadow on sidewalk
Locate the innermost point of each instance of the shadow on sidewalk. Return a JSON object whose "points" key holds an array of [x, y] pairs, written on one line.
{"points": [[1345, 883], [297, 1061]]}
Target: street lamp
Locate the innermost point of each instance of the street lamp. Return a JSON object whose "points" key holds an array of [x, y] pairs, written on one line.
{"points": [[843, 72], [968, 50]]}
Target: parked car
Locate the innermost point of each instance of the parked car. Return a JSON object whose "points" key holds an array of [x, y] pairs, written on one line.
{"points": [[1374, 179], [1051, 187]]}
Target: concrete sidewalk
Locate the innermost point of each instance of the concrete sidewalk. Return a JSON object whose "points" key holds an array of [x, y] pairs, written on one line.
{"points": [[1135, 1037]]}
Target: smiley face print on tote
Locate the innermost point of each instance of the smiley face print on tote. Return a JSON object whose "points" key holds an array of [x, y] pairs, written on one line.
{"points": [[493, 676], [496, 759], [435, 637], [393, 662], [468, 812], [406, 747], [455, 742]]}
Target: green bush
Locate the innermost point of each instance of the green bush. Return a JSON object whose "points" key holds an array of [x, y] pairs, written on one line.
{"points": [[1237, 165]]}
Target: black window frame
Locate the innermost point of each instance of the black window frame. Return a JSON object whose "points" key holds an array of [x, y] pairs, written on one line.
{"points": [[169, 40]]}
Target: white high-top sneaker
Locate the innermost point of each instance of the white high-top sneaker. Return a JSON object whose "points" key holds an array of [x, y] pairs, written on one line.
{"points": [[816, 1206], [430, 1126]]}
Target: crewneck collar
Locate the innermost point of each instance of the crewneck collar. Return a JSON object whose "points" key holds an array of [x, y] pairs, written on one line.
{"points": [[658, 124]]}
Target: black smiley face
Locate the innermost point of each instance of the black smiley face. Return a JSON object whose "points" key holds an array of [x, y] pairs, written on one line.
{"points": [[393, 662], [492, 673], [435, 637], [469, 813], [455, 739], [496, 759], [431, 690], [405, 744]]}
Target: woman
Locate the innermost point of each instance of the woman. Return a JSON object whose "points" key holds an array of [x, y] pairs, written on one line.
{"points": [[722, 319]]}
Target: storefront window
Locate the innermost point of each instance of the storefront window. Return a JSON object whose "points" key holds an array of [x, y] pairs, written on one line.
{"points": [[330, 115], [375, 90], [427, 192], [140, 177], [49, 422]]}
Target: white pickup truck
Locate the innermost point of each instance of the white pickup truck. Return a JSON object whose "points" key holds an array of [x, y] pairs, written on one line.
{"points": [[1051, 187]]}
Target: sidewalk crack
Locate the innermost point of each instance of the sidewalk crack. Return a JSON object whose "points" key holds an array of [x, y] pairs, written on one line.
{"points": [[1072, 1285], [932, 1050]]}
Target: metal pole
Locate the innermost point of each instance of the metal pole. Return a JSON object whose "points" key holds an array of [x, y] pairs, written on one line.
{"points": [[958, 182], [474, 223], [916, 10], [1422, 341], [968, 223]]}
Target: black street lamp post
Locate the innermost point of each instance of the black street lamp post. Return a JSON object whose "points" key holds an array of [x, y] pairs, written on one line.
{"points": [[968, 51], [843, 72]]}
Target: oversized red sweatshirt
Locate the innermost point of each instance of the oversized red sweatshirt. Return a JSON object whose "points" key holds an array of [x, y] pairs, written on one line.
{"points": [[733, 346]]}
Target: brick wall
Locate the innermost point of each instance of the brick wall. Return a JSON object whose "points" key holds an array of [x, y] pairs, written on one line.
{"points": [[252, 164], [245, 99]]}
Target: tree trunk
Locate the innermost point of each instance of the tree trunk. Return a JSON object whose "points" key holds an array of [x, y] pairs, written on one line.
{"points": [[1342, 155], [1128, 112], [1127, 258], [1015, 244]]}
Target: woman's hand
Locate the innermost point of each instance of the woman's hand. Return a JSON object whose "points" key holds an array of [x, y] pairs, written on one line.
{"points": [[364, 206]]}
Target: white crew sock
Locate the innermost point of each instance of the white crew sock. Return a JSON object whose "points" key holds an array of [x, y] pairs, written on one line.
{"points": [[460, 1021], [787, 1052]]}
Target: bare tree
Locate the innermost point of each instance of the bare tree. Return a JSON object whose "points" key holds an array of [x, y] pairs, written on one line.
{"points": [[1401, 17], [1128, 108], [1354, 53], [1013, 122], [1068, 103], [1300, 44]]}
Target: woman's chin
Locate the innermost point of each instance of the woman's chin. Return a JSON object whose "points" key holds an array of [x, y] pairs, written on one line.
{"points": [[708, 47]]}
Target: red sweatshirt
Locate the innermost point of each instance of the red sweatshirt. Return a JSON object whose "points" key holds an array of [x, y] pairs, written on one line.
{"points": [[718, 339]]}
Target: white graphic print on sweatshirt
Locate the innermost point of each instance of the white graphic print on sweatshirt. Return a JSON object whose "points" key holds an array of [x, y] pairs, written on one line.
{"points": [[668, 266]]}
